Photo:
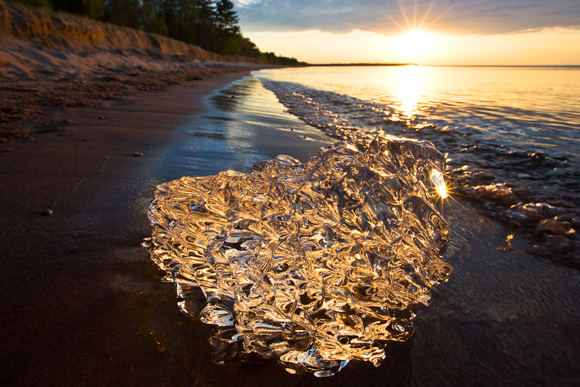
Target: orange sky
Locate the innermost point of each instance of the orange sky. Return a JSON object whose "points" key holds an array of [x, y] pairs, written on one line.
{"points": [[546, 47], [455, 32]]}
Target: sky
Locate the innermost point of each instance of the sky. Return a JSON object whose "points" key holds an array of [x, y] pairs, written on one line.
{"points": [[444, 32]]}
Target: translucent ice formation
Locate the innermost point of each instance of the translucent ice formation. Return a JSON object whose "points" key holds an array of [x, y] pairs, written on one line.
{"points": [[311, 264]]}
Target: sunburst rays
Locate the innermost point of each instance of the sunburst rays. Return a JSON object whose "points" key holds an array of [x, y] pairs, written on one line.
{"points": [[412, 18]]}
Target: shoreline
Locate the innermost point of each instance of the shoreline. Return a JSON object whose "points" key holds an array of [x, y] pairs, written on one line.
{"points": [[30, 102], [73, 281], [85, 305], [54, 61], [500, 187]]}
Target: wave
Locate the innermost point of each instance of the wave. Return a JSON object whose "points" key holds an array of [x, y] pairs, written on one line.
{"points": [[535, 190]]}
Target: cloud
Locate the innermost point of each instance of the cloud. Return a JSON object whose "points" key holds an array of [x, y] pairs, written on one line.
{"points": [[392, 16]]}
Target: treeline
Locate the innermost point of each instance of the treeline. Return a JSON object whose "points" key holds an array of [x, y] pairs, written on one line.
{"points": [[209, 24]]}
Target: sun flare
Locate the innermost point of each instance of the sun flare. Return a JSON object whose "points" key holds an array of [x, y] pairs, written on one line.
{"points": [[414, 44]]}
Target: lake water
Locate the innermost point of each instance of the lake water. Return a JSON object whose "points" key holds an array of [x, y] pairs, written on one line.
{"points": [[535, 108], [511, 135], [505, 317]]}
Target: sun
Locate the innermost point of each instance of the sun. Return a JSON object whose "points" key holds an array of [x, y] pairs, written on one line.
{"points": [[414, 44]]}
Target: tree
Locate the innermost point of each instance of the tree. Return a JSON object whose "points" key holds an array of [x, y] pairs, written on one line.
{"points": [[210, 24], [33, 3], [227, 19], [91, 8], [205, 24], [95, 9]]}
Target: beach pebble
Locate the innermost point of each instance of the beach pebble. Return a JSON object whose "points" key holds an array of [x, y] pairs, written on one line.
{"points": [[137, 154], [483, 177], [550, 226], [565, 218], [46, 212], [497, 193], [521, 193]]}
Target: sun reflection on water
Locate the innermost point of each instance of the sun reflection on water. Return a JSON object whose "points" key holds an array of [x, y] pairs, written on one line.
{"points": [[409, 85]]}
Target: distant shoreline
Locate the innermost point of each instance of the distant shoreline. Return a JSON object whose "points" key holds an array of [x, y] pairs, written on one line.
{"points": [[416, 64], [360, 64], [565, 66]]}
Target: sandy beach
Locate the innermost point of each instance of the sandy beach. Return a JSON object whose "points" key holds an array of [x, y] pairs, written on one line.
{"points": [[72, 281], [55, 61]]}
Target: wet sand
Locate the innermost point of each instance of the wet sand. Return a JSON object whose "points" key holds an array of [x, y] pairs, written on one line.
{"points": [[74, 306], [82, 304]]}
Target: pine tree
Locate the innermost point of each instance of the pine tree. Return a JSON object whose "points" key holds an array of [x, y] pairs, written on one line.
{"points": [[227, 19]]}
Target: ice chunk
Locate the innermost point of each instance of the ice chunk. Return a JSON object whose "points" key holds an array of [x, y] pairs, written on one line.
{"points": [[311, 264]]}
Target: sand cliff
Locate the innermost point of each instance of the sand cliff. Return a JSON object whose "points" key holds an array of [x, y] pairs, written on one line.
{"points": [[51, 60]]}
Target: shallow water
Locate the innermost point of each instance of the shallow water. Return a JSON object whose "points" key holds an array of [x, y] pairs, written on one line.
{"points": [[532, 107], [247, 124], [491, 119], [504, 317], [516, 157]]}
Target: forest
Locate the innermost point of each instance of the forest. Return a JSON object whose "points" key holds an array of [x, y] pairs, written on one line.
{"points": [[209, 24]]}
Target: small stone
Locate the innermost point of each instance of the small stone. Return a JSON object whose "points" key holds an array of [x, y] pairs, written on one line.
{"points": [[550, 226], [565, 218], [46, 212], [8, 150], [137, 154]]}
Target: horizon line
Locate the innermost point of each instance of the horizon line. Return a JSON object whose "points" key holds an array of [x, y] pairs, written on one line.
{"points": [[427, 65]]}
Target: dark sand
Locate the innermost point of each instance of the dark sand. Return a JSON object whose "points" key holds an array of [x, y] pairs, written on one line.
{"points": [[79, 295]]}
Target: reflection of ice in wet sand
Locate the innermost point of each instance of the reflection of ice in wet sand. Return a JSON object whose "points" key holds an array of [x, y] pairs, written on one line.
{"points": [[311, 264]]}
